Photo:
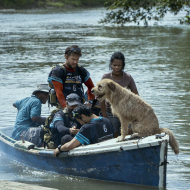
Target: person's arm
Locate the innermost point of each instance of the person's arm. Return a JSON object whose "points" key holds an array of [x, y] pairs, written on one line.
{"points": [[68, 146], [18, 103], [74, 130], [59, 93], [135, 91], [89, 85], [35, 112], [103, 109], [103, 103], [60, 125], [38, 119], [133, 87]]}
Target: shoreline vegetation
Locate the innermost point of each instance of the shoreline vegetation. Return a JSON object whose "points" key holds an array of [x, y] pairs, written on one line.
{"points": [[36, 4]]}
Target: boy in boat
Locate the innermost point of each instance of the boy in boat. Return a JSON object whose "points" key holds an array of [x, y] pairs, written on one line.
{"points": [[94, 129], [67, 78], [29, 115], [63, 126]]}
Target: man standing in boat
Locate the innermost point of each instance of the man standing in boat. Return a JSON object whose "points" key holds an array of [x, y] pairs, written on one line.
{"points": [[60, 127], [94, 129], [29, 116], [66, 78]]}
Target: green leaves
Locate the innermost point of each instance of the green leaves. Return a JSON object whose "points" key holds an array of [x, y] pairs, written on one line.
{"points": [[123, 11]]}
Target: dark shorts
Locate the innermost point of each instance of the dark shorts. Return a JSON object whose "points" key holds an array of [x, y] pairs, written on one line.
{"points": [[33, 135]]}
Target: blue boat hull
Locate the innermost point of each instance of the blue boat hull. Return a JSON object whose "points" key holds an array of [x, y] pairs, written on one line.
{"points": [[138, 166]]}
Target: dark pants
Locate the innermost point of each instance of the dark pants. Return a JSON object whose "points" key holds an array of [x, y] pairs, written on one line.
{"points": [[33, 135], [65, 139]]}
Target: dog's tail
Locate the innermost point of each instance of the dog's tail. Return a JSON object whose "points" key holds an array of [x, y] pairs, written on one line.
{"points": [[172, 140]]}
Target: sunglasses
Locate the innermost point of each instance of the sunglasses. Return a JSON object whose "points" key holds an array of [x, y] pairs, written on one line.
{"points": [[74, 114]]}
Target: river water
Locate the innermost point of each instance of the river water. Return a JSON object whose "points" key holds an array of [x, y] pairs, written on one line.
{"points": [[158, 58]]}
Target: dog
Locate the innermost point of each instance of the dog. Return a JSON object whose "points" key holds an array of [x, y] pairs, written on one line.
{"points": [[131, 109]]}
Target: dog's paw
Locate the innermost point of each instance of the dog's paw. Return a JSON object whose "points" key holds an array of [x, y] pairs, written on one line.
{"points": [[120, 138], [135, 135]]}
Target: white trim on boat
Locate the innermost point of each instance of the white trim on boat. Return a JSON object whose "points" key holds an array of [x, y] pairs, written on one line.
{"points": [[161, 168]]}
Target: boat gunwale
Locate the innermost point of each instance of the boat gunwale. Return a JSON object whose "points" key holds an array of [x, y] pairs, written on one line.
{"points": [[98, 148]]}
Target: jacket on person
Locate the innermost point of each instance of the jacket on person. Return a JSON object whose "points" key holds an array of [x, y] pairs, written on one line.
{"points": [[72, 81], [56, 126]]}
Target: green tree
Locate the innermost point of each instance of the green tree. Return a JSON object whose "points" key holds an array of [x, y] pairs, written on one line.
{"points": [[123, 11]]}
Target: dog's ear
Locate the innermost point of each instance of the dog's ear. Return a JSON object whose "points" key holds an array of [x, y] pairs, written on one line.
{"points": [[111, 85]]}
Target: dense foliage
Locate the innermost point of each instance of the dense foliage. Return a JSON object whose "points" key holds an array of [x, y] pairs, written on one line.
{"points": [[20, 4], [123, 11]]}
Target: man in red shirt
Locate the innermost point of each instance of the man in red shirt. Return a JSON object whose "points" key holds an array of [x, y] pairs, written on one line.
{"points": [[68, 77]]}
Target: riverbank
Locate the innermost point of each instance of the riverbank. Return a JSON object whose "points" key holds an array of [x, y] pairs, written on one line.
{"points": [[10, 185], [32, 4]]}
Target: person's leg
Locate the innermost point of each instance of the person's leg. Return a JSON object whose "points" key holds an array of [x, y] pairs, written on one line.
{"points": [[116, 124], [65, 139], [130, 131], [33, 135]]}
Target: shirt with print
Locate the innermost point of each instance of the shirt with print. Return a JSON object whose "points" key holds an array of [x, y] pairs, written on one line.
{"points": [[27, 108], [72, 82], [127, 81], [62, 123], [96, 130]]}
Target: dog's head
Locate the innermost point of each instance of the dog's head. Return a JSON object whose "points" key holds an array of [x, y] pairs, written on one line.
{"points": [[103, 89]]}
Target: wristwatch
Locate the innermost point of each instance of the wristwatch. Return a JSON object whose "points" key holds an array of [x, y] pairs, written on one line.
{"points": [[59, 147]]}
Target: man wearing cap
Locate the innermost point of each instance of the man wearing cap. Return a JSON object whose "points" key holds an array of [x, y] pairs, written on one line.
{"points": [[63, 126], [94, 129], [29, 113], [67, 78]]}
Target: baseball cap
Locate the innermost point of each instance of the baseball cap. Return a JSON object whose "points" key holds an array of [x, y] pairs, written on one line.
{"points": [[73, 99]]}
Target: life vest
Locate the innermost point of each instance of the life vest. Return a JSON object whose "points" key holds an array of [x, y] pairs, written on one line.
{"points": [[70, 86], [51, 135], [47, 132]]}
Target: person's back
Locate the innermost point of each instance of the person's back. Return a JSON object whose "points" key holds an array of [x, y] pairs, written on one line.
{"points": [[29, 115], [97, 130], [27, 108], [94, 129]]}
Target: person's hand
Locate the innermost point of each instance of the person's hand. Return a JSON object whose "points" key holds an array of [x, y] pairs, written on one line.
{"points": [[64, 105], [56, 152], [73, 130]]}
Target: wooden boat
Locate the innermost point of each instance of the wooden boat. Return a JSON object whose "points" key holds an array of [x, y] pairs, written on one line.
{"points": [[138, 161]]}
